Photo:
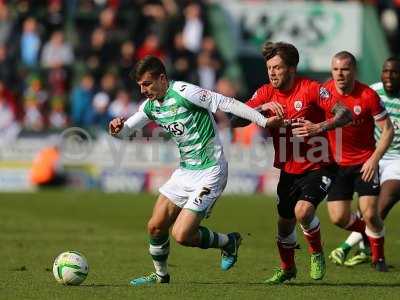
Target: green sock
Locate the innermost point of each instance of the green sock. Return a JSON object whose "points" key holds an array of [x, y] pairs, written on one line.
{"points": [[345, 247], [211, 239], [159, 250]]}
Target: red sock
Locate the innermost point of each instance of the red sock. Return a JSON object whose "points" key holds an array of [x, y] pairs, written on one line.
{"points": [[286, 252], [377, 249], [313, 237]]}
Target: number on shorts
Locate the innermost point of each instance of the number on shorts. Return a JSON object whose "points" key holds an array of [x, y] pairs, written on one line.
{"points": [[204, 192]]}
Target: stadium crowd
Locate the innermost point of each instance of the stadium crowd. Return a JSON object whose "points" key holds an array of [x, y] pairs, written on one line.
{"points": [[67, 63]]}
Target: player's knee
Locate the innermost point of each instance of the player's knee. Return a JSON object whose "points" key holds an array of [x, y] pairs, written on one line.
{"points": [[304, 212], [153, 228], [370, 216], [339, 220]]}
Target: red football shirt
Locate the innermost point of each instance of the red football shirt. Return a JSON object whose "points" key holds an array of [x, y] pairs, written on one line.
{"points": [[355, 143], [308, 100]]}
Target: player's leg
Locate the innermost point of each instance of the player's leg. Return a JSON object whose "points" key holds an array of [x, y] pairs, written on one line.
{"points": [[314, 188], [390, 185], [341, 215], [374, 230], [368, 201], [286, 239], [339, 209], [286, 242], [388, 197], [188, 232], [207, 187], [164, 214]]}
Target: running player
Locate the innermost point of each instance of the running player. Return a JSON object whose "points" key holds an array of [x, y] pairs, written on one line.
{"points": [[389, 165], [355, 152], [185, 111], [304, 162]]}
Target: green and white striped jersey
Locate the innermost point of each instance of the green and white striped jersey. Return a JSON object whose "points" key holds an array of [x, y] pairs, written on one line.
{"points": [[186, 113], [392, 105]]}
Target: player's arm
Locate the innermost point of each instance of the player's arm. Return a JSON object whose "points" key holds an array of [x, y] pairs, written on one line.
{"points": [[341, 116], [243, 111], [213, 101], [382, 120], [123, 129], [259, 102], [273, 107]]}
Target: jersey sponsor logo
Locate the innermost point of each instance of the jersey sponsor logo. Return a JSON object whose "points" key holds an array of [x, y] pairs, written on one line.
{"points": [[183, 87], [204, 95], [323, 93], [357, 109], [175, 128], [298, 105]]}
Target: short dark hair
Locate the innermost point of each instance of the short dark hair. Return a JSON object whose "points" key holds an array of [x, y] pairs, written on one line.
{"points": [[393, 58], [288, 52], [151, 64], [348, 55]]}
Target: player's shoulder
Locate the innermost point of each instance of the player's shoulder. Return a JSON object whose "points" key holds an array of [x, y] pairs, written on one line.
{"points": [[307, 81], [183, 87], [377, 86], [262, 91], [145, 104], [329, 84], [365, 90]]}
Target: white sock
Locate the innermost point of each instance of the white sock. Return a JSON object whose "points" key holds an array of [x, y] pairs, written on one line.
{"points": [[161, 267], [354, 238], [222, 239]]}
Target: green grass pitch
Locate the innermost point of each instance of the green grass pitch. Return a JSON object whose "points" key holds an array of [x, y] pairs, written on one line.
{"points": [[110, 229]]}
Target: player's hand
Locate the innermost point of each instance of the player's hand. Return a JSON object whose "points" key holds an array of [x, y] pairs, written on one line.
{"points": [[116, 125], [274, 107], [274, 122], [304, 128], [369, 169]]}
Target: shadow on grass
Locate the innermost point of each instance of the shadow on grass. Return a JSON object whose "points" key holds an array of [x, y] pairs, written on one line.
{"points": [[348, 284], [99, 285], [300, 284]]}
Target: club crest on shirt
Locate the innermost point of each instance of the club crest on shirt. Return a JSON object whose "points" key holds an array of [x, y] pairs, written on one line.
{"points": [[298, 105], [174, 109], [357, 109]]}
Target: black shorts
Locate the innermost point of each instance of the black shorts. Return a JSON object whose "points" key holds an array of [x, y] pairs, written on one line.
{"points": [[312, 186], [348, 180]]}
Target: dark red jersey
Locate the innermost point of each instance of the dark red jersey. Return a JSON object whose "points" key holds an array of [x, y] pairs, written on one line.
{"points": [[355, 143], [306, 100]]}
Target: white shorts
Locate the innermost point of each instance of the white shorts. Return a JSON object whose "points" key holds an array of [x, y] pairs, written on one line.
{"points": [[196, 190], [389, 168]]}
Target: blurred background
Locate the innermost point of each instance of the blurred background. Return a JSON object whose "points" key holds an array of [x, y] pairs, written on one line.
{"points": [[64, 69]]}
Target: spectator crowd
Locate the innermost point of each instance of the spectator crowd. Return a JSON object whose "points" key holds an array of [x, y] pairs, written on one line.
{"points": [[67, 63]]}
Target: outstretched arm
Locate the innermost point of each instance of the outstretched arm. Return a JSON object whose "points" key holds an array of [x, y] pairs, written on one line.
{"points": [[213, 101], [238, 122], [342, 116], [122, 129], [273, 107], [246, 114]]}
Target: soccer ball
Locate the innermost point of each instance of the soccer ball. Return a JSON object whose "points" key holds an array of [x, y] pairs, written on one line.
{"points": [[70, 268]]}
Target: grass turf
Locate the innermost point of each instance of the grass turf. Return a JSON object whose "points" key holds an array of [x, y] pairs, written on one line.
{"points": [[110, 229]]}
